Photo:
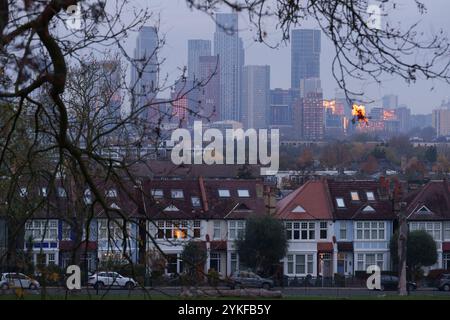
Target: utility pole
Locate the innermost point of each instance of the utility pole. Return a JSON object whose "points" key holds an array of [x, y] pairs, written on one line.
{"points": [[402, 249]]}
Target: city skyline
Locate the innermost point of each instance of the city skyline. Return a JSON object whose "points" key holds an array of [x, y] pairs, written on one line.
{"points": [[182, 24]]}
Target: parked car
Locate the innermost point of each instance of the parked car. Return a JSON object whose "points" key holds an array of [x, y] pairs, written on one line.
{"points": [[17, 280], [101, 280], [444, 282], [391, 283], [246, 279]]}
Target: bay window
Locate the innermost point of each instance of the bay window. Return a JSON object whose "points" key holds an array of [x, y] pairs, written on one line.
{"points": [[300, 264]]}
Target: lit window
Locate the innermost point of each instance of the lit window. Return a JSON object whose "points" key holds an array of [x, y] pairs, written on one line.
{"points": [[224, 193], [243, 193], [340, 202], [177, 194], [370, 196], [354, 195], [157, 193], [195, 201]]}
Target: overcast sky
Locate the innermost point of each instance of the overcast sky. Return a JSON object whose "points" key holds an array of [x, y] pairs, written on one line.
{"points": [[179, 24]]}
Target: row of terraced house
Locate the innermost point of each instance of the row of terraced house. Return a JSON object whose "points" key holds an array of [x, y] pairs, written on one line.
{"points": [[332, 227]]}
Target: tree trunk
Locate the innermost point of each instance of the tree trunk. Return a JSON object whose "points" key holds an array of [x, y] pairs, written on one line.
{"points": [[402, 245]]}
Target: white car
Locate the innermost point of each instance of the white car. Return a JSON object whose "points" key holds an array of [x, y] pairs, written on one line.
{"points": [[17, 280], [100, 280]]}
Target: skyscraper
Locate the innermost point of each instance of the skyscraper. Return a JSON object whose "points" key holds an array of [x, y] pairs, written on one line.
{"points": [[144, 70], [390, 101], [305, 55], [210, 93], [313, 111], [197, 48], [228, 46], [255, 96]]}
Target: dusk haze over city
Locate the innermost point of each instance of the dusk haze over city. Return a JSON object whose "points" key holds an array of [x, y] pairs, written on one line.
{"points": [[225, 158]]}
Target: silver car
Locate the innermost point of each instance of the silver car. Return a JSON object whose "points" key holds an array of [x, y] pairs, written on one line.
{"points": [[246, 279], [100, 280], [17, 280]]}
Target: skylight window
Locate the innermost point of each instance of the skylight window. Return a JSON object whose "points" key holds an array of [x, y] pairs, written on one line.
{"points": [[299, 209], [354, 195], [224, 193], [370, 196], [177, 194], [243, 193], [340, 202], [195, 201], [157, 193]]}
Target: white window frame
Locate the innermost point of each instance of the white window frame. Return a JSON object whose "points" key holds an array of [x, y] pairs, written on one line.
{"points": [[296, 262], [365, 230], [362, 261], [236, 229], [446, 225], [196, 202], [432, 228], [340, 202], [343, 228], [354, 195], [224, 193], [370, 196], [177, 194], [217, 232], [323, 228], [243, 193], [41, 229], [157, 193]]}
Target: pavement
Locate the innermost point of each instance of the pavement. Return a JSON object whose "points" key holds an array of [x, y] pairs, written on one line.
{"points": [[286, 292]]}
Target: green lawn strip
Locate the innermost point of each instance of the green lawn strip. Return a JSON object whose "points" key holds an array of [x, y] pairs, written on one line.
{"points": [[163, 297]]}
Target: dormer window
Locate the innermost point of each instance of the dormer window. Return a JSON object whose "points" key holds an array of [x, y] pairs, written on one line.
{"points": [[224, 193], [157, 193], [423, 209], [340, 202], [177, 194], [354, 195], [370, 196], [111, 193], [299, 209], [243, 193], [368, 209]]}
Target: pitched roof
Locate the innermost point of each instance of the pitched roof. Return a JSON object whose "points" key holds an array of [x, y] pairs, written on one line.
{"points": [[431, 202], [359, 209], [212, 205], [309, 202]]}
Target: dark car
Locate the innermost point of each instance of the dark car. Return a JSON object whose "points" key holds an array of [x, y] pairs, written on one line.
{"points": [[246, 279], [391, 283], [444, 283]]}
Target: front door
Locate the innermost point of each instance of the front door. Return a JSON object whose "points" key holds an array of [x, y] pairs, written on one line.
{"points": [[325, 265]]}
